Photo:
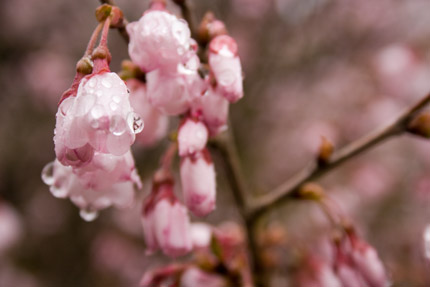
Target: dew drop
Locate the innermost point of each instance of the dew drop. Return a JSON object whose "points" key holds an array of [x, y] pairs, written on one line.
{"points": [[88, 215], [48, 173], [106, 84], [135, 122], [58, 191], [117, 125], [116, 99], [92, 82], [113, 106], [97, 112], [99, 93]]}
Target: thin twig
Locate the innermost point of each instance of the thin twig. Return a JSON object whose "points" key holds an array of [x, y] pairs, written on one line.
{"points": [[224, 144], [122, 31], [288, 189]]}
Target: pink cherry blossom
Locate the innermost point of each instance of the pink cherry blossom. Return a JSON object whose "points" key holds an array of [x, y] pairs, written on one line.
{"points": [[166, 224], [158, 40], [107, 180], [173, 92], [99, 118], [156, 124], [213, 109], [226, 67], [198, 183], [192, 137], [367, 262]]}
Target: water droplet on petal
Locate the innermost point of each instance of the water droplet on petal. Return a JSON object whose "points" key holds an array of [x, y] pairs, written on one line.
{"points": [[106, 84], [113, 106], [58, 191], [92, 82], [135, 122], [88, 215], [117, 125], [116, 99], [99, 93], [48, 173]]}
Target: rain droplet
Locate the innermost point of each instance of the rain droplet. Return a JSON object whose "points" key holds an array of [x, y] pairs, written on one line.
{"points": [[88, 215], [106, 84], [99, 93], [135, 122], [97, 112], [113, 106], [117, 125], [48, 173], [116, 99], [92, 83], [58, 191], [66, 105]]}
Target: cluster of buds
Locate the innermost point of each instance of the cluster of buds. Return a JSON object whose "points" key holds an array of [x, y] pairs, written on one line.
{"points": [[96, 125], [219, 261], [178, 83], [358, 264], [355, 264]]}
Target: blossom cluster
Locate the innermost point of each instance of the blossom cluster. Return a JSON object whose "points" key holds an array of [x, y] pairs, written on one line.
{"points": [[355, 264], [162, 47]]}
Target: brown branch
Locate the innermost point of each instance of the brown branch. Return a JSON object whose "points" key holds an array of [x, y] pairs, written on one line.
{"points": [[314, 171], [224, 144], [122, 31]]}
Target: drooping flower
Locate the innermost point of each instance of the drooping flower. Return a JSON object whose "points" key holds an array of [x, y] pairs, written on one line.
{"points": [[166, 223], [192, 136], [156, 124], [99, 118], [159, 40], [212, 108], [226, 67], [198, 182], [172, 92], [107, 180]]}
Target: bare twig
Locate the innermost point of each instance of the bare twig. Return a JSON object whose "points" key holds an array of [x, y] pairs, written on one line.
{"points": [[122, 31], [290, 187]]}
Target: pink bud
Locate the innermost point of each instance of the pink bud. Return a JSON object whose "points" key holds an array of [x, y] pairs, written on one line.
{"points": [[367, 262], [226, 67], [213, 108], [158, 40], [107, 180], [349, 276], [166, 224], [192, 137], [198, 183], [156, 124], [173, 92], [99, 118]]}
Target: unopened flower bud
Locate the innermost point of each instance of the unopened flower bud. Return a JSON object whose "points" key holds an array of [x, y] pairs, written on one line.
{"points": [[198, 183], [420, 125], [226, 67], [325, 151], [192, 137], [117, 18], [84, 66], [103, 12], [311, 191], [166, 224]]}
